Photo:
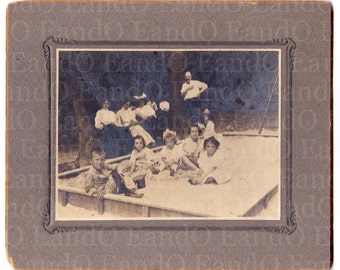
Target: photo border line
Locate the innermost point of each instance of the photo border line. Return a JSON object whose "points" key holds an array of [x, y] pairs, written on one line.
{"points": [[290, 224]]}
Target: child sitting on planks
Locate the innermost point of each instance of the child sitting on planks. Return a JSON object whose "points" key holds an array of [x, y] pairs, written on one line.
{"points": [[141, 161], [211, 169], [191, 148], [171, 154], [102, 178]]}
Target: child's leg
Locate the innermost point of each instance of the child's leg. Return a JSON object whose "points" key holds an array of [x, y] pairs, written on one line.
{"points": [[119, 182], [129, 183], [111, 186], [138, 175], [139, 178], [194, 161], [132, 188], [188, 163], [173, 169]]}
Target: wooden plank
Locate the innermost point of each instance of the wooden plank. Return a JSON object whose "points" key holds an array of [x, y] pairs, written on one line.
{"points": [[120, 204], [145, 211], [250, 135], [62, 197], [100, 206], [109, 161], [261, 204]]}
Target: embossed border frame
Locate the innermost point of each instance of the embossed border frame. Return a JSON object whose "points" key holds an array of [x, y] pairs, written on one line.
{"points": [[286, 225]]}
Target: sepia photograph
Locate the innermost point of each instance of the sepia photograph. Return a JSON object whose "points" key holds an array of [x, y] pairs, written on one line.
{"points": [[188, 133], [168, 133]]}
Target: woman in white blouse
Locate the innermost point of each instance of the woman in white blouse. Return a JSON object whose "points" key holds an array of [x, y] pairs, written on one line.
{"points": [[104, 116], [126, 117]]}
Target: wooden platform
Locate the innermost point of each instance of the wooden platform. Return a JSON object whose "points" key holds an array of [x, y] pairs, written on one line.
{"points": [[120, 205], [253, 161], [253, 133], [228, 201]]}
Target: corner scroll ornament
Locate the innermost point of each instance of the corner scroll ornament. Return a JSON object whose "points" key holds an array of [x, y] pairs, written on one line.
{"points": [[291, 46], [291, 223], [50, 229], [47, 211], [47, 49]]}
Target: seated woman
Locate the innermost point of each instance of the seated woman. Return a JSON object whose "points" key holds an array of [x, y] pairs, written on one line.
{"points": [[126, 117], [146, 114], [144, 111], [104, 116], [211, 169], [105, 124]]}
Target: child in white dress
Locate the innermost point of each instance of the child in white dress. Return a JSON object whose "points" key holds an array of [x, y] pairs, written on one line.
{"points": [[141, 160], [208, 125], [170, 154], [191, 149], [211, 169]]}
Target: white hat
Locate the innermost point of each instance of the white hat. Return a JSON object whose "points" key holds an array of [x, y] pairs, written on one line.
{"points": [[164, 105], [142, 96], [206, 111]]}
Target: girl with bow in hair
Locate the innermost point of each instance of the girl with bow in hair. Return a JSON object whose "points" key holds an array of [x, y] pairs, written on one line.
{"points": [[171, 153]]}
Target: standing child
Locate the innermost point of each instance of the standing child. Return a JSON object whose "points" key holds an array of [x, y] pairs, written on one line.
{"points": [[208, 125], [191, 149], [171, 153], [210, 165]]}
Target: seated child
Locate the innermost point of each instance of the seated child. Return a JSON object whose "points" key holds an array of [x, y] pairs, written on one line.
{"points": [[102, 178], [141, 160], [170, 154], [191, 149], [210, 168]]}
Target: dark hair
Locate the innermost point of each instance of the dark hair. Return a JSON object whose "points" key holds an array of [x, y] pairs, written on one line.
{"points": [[139, 137], [96, 151], [170, 136], [126, 100], [210, 115], [213, 140], [141, 100], [196, 126]]}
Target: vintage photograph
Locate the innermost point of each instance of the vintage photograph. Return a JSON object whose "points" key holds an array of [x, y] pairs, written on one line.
{"points": [[163, 133]]}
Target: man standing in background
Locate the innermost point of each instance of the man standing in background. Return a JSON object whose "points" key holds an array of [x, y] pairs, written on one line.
{"points": [[191, 91]]}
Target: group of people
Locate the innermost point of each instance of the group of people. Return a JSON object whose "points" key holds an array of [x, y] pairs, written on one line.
{"points": [[197, 155], [125, 117], [136, 119]]}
